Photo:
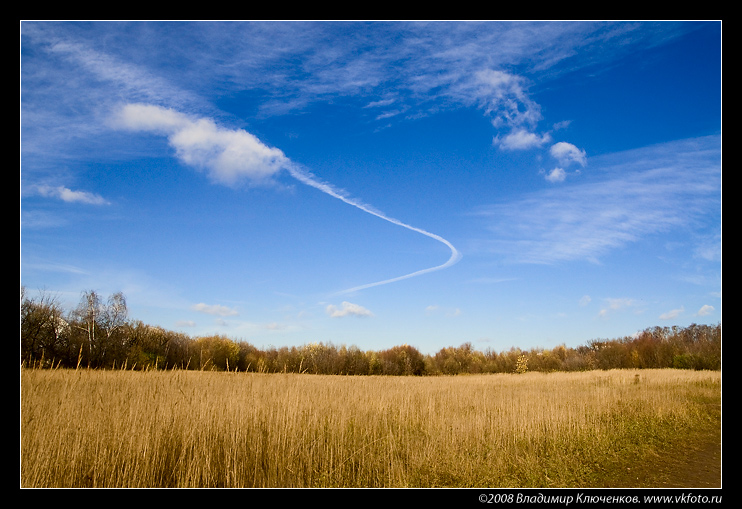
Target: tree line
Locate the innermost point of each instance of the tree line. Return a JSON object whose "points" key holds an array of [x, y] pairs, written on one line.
{"points": [[99, 334]]}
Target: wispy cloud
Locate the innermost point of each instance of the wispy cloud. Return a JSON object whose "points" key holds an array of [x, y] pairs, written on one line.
{"points": [[429, 67], [672, 314], [418, 68], [630, 195], [616, 304], [434, 309], [502, 96], [214, 309], [68, 195]]}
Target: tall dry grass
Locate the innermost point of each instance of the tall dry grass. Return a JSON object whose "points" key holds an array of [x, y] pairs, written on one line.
{"points": [[206, 429]]}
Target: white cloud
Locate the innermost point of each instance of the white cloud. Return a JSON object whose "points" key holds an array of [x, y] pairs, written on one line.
{"points": [[491, 280], [228, 156], [504, 99], [150, 118], [448, 312], [556, 175], [274, 326], [561, 125], [503, 96], [381, 103], [672, 314], [216, 310], [521, 139], [705, 310], [566, 154], [616, 304], [347, 309], [68, 195]]}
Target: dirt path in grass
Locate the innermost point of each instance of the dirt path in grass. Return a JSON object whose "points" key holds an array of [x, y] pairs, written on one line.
{"points": [[694, 464], [699, 467]]}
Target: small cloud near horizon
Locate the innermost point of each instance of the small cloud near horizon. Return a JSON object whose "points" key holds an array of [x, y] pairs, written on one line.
{"points": [[347, 309], [216, 310]]}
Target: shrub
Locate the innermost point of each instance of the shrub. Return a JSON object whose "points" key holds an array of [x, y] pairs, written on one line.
{"points": [[522, 365]]}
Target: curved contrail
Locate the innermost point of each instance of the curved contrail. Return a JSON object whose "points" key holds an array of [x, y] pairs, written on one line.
{"points": [[228, 155], [310, 180]]}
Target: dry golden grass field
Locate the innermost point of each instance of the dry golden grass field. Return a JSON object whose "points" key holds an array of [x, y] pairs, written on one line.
{"points": [[89, 428]]}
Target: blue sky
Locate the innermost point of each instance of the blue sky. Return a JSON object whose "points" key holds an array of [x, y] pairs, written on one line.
{"points": [[374, 184]]}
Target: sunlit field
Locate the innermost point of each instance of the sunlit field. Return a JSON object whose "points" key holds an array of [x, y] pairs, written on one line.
{"points": [[90, 428]]}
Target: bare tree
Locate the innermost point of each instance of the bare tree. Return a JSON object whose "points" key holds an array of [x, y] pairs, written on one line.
{"points": [[103, 325], [41, 327], [85, 318], [115, 314], [112, 322]]}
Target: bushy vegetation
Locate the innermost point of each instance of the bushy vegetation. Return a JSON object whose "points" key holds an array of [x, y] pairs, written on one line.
{"points": [[100, 334]]}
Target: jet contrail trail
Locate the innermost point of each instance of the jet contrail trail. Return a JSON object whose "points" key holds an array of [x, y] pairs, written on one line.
{"points": [[228, 155], [310, 180]]}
